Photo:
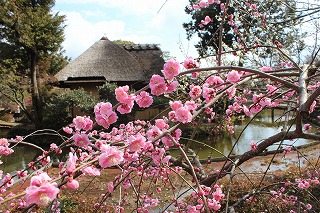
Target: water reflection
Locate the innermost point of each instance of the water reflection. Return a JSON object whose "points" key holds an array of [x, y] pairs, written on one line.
{"points": [[259, 129], [19, 159], [3, 132]]}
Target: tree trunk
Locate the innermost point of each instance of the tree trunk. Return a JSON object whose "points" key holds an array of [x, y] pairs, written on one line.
{"points": [[36, 102]]}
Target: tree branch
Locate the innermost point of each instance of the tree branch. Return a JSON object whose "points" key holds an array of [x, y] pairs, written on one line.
{"points": [[262, 74]]}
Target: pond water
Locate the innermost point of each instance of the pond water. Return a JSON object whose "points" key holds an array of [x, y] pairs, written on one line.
{"points": [[4, 131], [261, 128], [19, 159]]}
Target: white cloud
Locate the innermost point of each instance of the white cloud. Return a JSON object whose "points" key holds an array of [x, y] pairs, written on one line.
{"points": [[81, 34], [136, 21]]}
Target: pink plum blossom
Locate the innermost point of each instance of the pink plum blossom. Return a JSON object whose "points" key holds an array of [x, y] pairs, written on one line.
{"points": [[171, 86], [222, 6], [206, 20], [153, 132], [161, 124], [171, 69], [233, 76], [158, 89], [312, 107], [82, 123], [253, 146], [130, 157], [247, 92], [208, 93], [40, 179], [72, 184], [91, 171], [192, 209], [202, 4], [157, 85], [306, 127], [214, 80], [230, 129], [190, 63], [175, 105], [287, 150], [172, 116], [157, 155], [231, 93], [309, 206], [271, 89], [213, 1], [246, 110], [81, 140], [176, 135], [191, 105], [195, 91], [194, 75], [136, 142], [265, 102], [256, 98], [144, 100], [67, 130], [41, 191], [110, 187], [263, 69], [105, 116], [122, 93], [126, 107], [4, 147], [71, 162], [20, 174], [110, 157], [231, 21], [255, 108], [41, 195], [183, 115]]}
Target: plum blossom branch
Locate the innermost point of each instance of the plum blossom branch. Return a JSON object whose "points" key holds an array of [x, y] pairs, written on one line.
{"points": [[263, 74], [26, 143], [303, 93], [192, 171]]}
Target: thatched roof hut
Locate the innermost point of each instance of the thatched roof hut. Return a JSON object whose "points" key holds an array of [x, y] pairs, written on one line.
{"points": [[108, 61]]}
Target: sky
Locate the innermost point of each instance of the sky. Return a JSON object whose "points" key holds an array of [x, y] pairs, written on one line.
{"points": [[140, 21]]}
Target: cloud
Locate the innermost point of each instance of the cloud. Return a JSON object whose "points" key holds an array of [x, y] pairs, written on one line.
{"points": [[81, 34], [89, 20]]}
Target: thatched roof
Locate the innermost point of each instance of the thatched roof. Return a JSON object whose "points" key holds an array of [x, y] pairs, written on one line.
{"points": [[104, 59], [149, 57]]}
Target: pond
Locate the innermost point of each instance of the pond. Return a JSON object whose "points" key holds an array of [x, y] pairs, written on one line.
{"points": [[261, 128], [19, 159]]}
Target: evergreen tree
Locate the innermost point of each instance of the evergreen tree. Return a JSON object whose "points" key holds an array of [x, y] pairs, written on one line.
{"points": [[32, 35]]}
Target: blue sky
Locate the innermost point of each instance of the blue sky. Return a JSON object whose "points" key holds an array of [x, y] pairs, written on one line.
{"points": [[139, 21]]}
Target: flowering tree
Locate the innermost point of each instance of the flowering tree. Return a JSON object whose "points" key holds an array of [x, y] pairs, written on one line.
{"points": [[140, 151]]}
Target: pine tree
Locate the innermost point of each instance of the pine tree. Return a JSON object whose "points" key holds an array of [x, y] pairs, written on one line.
{"points": [[30, 29]]}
